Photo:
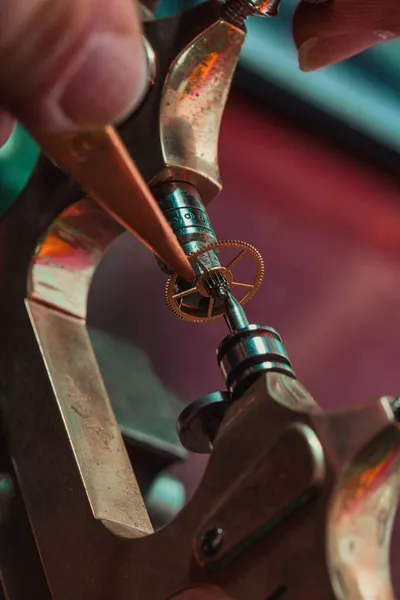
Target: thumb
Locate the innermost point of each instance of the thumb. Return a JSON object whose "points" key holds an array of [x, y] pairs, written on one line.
{"points": [[70, 63], [329, 33]]}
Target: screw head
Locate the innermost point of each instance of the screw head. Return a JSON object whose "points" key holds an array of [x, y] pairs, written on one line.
{"points": [[211, 542], [266, 9]]}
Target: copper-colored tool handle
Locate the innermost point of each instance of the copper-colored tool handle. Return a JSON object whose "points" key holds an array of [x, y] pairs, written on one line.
{"points": [[100, 163]]}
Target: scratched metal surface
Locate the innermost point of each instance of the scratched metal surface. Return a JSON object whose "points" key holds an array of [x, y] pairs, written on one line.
{"points": [[329, 230]]}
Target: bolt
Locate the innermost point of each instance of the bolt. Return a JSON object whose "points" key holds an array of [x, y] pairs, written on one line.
{"points": [[211, 542], [237, 11]]}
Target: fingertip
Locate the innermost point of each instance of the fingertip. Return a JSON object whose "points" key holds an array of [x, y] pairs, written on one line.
{"points": [[305, 50], [336, 30], [304, 21], [317, 53], [86, 65], [109, 84], [111, 76]]}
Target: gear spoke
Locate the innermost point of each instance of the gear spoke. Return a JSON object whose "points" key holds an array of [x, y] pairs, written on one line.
{"points": [[210, 307], [200, 311], [236, 259], [244, 286], [192, 290]]}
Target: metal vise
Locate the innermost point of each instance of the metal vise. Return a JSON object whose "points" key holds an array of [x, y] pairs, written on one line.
{"points": [[295, 503]]}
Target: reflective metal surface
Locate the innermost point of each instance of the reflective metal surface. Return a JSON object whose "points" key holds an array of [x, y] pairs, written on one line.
{"points": [[100, 163], [67, 258], [146, 412], [243, 355], [243, 552], [332, 279], [289, 485], [58, 285], [288, 492], [192, 105], [193, 302], [197, 53], [199, 422], [92, 429], [237, 11], [361, 520], [99, 502], [183, 208]]}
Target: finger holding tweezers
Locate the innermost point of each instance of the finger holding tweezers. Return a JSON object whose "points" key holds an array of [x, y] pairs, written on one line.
{"points": [[100, 163]]}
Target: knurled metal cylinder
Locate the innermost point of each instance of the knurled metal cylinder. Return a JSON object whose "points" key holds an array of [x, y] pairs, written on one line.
{"points": [[185, 212], [245, 355]]}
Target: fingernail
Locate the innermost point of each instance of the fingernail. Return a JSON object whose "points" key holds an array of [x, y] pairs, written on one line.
{"points": [[109, 82], [320, 52]]}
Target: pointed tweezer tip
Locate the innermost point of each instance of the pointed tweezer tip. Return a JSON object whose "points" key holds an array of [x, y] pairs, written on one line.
{"points": [[179, 262]]}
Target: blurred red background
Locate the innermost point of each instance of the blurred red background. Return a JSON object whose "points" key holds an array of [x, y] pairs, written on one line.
{"points": [[328, 228]]}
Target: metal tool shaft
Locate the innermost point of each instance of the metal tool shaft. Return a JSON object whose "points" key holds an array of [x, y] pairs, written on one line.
{"points": [[185, 212]]}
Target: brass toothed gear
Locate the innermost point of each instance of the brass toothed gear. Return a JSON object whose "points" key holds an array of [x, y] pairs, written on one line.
{"points": [[192, 302]]}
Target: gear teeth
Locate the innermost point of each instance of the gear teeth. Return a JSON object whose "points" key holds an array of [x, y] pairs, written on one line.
{"points": [[173, 307], [254, 253]]}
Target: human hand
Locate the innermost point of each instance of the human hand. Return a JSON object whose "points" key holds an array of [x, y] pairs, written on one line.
{"points": [[70, 63], [66, 64], [334, 31]]}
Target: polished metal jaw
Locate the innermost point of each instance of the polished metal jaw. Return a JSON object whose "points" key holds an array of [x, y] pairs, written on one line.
{"points": [[304, 500], [289, 490]]}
